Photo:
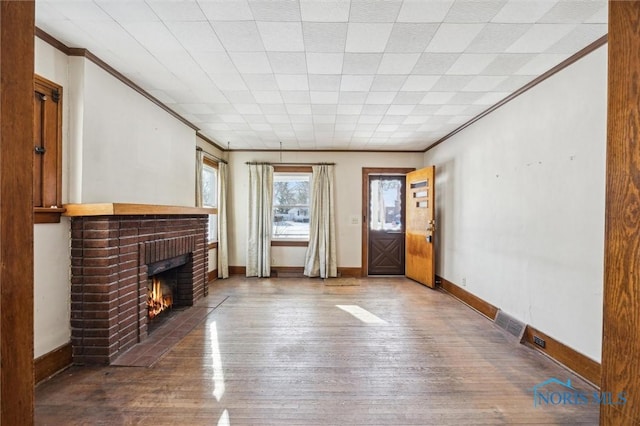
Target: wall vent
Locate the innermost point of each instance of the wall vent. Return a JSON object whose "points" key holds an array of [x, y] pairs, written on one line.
{"points": [[509, 324]]}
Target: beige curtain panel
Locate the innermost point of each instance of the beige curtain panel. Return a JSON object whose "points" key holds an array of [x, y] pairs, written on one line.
{"points": [[260, 220], [321, 258], [223, 246]]}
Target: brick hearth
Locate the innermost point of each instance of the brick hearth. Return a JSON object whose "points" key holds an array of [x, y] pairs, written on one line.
{"points": [[110, 255]]}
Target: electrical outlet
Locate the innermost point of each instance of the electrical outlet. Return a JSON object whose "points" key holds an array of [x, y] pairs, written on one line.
{"points": [[540, 342]]}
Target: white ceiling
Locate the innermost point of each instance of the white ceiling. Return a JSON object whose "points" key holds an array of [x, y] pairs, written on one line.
{"points": [[327, 74]]}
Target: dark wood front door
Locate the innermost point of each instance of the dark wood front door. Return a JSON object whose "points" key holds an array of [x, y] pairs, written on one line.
{"points": [[386, 225]]}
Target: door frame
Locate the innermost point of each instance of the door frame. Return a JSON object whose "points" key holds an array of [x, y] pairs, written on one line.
{"points": [[366, 171]]}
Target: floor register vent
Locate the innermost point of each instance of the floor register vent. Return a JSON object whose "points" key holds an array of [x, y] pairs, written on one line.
{"points": [[509, 324]]}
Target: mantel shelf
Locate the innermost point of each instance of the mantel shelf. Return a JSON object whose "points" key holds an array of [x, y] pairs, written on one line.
{"points": [[123, 209]]}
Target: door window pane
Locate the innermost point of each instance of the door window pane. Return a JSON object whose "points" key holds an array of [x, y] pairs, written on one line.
{"points": [[385, 199]]}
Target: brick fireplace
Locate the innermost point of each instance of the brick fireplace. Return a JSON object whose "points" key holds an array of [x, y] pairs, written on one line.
{"points": [[109, 285]]}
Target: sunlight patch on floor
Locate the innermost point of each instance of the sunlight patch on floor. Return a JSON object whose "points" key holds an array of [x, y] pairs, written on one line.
{"points": [[218, 374], [362, 314]]}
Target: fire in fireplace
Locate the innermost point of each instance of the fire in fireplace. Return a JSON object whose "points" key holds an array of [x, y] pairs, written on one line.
{"points": [[159, 296]]}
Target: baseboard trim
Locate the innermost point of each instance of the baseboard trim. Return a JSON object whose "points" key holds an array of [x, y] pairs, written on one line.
{"points": [[53, 362], [212, 275], [297, 271], [558, 351], [570, 358], [471, 300]]}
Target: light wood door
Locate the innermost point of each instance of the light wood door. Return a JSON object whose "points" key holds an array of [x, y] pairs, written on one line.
{"points": [[420, 226]]}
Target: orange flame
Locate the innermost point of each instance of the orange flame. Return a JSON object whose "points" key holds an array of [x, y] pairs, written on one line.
{"points": [[157, 301]]}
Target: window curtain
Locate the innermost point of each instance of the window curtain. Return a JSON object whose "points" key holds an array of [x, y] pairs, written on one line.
{"points": [[223, 247], [321, 259], [199, 165], [260, 220]]}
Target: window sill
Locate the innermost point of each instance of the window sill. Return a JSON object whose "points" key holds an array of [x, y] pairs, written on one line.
{"points": [[47, 215], [212, 245], [289, 243]]}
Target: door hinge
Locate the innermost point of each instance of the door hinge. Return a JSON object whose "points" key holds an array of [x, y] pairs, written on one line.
{"points": [[55, 95]]}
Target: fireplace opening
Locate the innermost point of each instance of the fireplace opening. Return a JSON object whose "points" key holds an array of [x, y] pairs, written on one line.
{"points": [[163, 296]]}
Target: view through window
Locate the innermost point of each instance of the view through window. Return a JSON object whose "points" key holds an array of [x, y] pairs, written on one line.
{"points": [[291, 206], [210, 195]]}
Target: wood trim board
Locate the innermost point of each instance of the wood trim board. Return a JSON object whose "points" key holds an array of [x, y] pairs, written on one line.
{"points": [[51, 363], [121, 209]]}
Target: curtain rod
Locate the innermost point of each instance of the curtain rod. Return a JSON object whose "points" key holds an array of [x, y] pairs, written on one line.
{"points": [[291, 164], [211, 155]]}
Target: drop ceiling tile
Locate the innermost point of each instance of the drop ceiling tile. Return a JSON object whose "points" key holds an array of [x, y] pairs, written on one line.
{"points": [[251, 63], [541, 64], [229, 81], [324, 119], [353, 98], [507, 64], [324, 63], [410, 37], [226, 10], [328, 109], [513, 83], [367, 38], [120, 10], [196, 108], [275, 10], [388, 83], [254, 118], [496, 38], [600, 17], [387, 128], [425, 110], [260, 81], [324, 82], [397, 63], [325, 11], [349, 109], [239, 97], [292, 81], [324, 97], [346, 126], [154, 36], [281, 36], [361, 63], [419, 83], [470, 11], [162, 96], [261, 127], [356, 83], [484, 83], [177, 10], [374, 10], [452, 38], [301, 118], [277, 118], [372, 109], [324, 37], [415, 119], [267, 97], [288, 62], [77, 10], [579, 38], [422, 11], [219, 126], [518, 11], [400, 109], [491, 98], [380, 97], [408, 98], [471, 63], [239, 36], [434, 63], [437, 98], [568, 11], [273, 109], [232, 118], [296, 97], [214, 62], [242, 129], [540, 37], [465, 98], [451, 83], [195, 36]]}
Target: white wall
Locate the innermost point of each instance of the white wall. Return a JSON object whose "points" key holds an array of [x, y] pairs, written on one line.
{"points": [[132, 150], [52, 253], [520, 205], [348, 181]]}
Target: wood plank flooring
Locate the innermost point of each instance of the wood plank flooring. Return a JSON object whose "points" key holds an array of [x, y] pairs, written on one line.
{"points": [[280, 352]]}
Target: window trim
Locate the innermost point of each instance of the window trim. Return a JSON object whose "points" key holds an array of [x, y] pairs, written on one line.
{"points": [[291, 242], [52, 214]]}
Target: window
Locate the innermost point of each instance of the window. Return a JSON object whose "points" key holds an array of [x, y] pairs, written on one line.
{"points": [[291, 203], [210, 194], [47, 152]]}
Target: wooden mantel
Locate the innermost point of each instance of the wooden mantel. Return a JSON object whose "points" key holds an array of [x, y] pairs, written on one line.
{"points": [[122, 209]]}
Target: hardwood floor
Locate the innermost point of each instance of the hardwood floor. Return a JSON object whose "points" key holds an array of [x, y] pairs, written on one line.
{"points": [[280, 351]]}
